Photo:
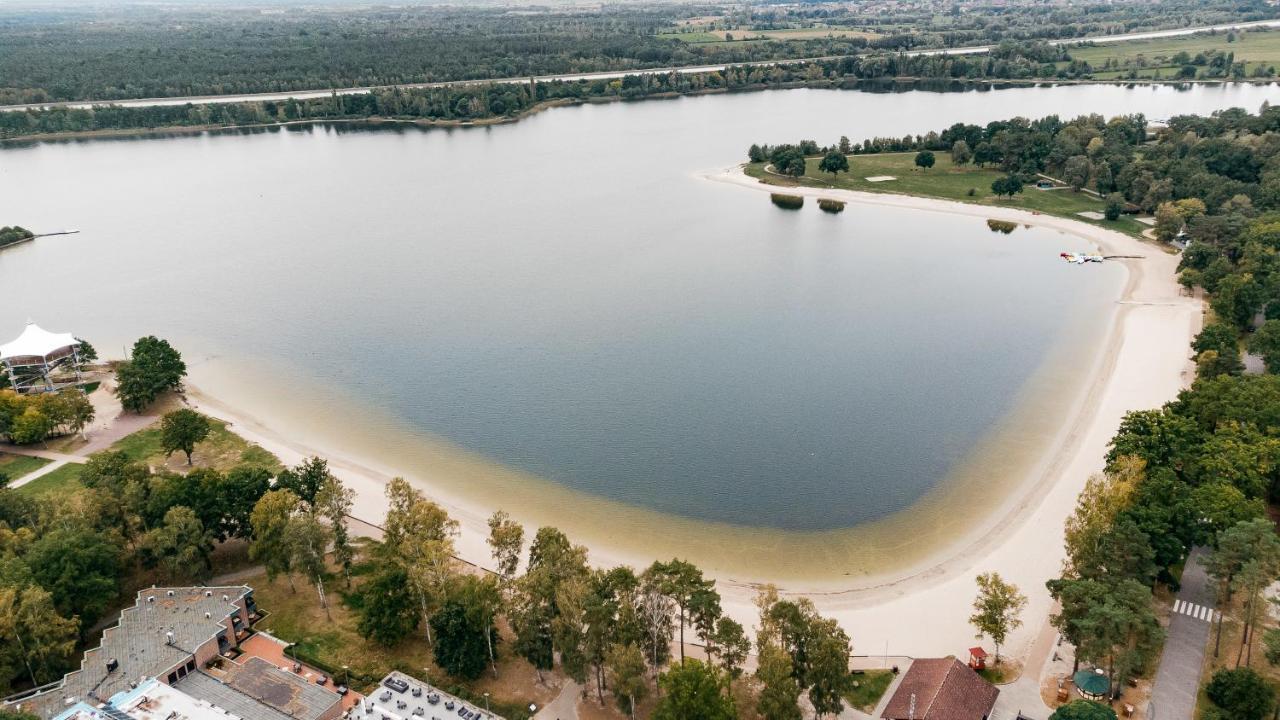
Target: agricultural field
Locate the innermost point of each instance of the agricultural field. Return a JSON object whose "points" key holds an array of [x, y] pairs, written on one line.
{"points": [[747, 34], [1255, 49]]}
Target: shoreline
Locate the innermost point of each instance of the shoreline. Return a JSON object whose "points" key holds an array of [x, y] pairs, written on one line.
{"points": [[967, 84], [922, 607]]}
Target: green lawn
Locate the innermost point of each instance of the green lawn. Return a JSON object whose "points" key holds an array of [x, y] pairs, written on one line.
{"points": [[15, 466], [1252, 47], [222, 450], [65, 479], [948, 182], [872, 685]]}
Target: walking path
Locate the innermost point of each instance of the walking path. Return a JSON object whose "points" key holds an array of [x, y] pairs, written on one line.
{"points": [[565, 706], [1178, 680], [1022, 697], [39, 473], [111, 424]]}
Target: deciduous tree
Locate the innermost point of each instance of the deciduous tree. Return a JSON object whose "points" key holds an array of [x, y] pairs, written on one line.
{"points": [[506, 542], [779, 693], [181, 545], [181, 430], [996, 609], [693, 689], [153, 367], [835, 163], [626, 676]]}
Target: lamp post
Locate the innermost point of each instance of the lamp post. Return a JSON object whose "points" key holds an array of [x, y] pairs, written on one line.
{"points": [[486, 702], [346, 676]]}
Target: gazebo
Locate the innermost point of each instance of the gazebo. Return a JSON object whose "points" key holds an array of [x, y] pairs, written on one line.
{"points": [[1093, 684], [36, 356]]}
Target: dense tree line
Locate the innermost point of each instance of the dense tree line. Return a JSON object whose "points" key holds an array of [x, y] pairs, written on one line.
{"points": [[612, 629], [488, 102], [34, 418], [66, 560], [53, 53]]}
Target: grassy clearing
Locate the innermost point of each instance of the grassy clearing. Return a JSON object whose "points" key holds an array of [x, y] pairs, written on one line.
{"points": [[222, 450], [62, 481], [948, 182], [1253, 48], [15, 466], [872, 685], [297, 617]]}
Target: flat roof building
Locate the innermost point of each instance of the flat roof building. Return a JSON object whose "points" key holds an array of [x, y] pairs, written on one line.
{"points": [[170, 657]]}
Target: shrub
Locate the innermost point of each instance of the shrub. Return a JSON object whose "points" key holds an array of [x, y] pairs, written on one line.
{"points": [[831, 206], [1002, 226], [1242, 694], [787, 202], [972, 192], [1115, 206]]}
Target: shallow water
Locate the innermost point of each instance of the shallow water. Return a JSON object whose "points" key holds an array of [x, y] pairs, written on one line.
{"points": [[567, 298]]}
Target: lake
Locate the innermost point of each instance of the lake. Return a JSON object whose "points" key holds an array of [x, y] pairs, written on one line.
{"points": [[569, 299]]}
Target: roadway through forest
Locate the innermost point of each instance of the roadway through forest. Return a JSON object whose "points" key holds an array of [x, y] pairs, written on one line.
{"points": [[604, 75]]}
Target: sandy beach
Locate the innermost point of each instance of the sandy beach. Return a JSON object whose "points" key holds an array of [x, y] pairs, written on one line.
{"points": [[922, 608]]}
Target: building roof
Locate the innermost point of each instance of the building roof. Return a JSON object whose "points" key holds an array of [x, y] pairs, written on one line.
{"points": [[211, 690], [944, 689], [35, 341], [140, 645], [269, 686]]}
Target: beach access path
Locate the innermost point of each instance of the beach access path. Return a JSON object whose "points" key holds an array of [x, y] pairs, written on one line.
{"points": [[1178, 680]]}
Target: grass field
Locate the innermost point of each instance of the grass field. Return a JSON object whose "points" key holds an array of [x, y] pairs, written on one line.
{"points": [[15, 466], [64, 480], [947, 182], [1253, 48], [222, 450], [872, 685]]}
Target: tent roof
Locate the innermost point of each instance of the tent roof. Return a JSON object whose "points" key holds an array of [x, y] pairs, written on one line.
{"points": [[35, 341]]}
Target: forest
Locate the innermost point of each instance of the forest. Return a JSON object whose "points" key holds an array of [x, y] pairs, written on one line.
{"points": [[70, 51], [1009, 61]]}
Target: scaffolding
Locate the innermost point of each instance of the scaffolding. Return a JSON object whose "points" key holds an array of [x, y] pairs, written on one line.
{"points": [[41, 361]]}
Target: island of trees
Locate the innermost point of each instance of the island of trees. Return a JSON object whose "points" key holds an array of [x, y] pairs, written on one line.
{"points": [[15, 234]]}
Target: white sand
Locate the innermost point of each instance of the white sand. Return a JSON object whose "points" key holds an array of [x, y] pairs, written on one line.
{"points": [[922, 610]]}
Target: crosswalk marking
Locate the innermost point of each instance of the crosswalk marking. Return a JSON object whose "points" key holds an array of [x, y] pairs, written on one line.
{"points": [[1198, 612]]}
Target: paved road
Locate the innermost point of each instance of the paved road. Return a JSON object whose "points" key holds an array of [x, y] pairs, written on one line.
{"points": [[1178, 680], [607, 75]]}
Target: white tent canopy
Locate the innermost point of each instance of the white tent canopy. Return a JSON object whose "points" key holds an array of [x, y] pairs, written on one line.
{"points": [[35, 341]]}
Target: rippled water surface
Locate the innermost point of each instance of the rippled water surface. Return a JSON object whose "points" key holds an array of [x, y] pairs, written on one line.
{"points": [[568, 297]]}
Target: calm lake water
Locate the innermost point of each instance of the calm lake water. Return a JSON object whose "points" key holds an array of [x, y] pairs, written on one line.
{"points": [[568, 297]]}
